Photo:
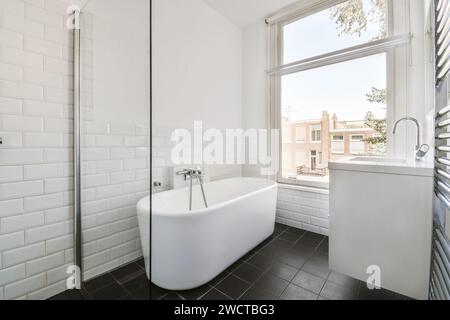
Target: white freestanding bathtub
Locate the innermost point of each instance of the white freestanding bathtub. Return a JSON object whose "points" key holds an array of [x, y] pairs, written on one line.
{"points": [[190, 248]]}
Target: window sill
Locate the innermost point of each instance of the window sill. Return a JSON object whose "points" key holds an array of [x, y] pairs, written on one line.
{"points": [[305, 185]]}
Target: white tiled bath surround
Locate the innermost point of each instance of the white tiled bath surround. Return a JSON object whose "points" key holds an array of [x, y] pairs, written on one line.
{"points": [[36, 171]]}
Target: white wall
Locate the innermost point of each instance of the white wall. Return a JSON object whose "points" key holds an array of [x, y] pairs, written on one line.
{"points": [[255, 105], [197, 75], [121, 59], [197, 66]]}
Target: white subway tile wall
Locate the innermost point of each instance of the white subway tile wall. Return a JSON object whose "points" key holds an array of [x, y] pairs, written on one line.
{"points": [[36, 154], [162, 165], [306, 209], [299, 207], [110, 227]]}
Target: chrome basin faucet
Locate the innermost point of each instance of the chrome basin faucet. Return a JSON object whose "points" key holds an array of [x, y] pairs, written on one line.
{"points": [[421, 149]]}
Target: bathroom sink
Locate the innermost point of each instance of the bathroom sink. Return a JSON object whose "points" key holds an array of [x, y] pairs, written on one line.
{"points": [[379, 160], [384, 165]]}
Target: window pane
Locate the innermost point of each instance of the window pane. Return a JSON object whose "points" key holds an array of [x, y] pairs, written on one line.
{"points": [[345, 25], [337, 147], [342, 107]]}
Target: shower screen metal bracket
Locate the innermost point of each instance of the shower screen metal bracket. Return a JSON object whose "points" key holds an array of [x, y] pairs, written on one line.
{"points": [[76, 12]]}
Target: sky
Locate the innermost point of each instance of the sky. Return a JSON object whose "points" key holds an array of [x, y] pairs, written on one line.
{"points": [[339, 88]]}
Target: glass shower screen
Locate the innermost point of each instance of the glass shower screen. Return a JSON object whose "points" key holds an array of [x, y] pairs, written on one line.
{"points": [[114, 146]]}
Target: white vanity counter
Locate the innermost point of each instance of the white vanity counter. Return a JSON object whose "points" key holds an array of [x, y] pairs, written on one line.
{"points": [[384, 165]]}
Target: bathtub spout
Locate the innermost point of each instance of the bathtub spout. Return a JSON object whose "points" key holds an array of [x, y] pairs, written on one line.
{"points": [[194, 173], [200, 181]]}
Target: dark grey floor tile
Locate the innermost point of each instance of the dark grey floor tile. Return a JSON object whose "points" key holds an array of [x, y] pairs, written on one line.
{"points": [[303, 251], [126, 297], [333, 291], [321, 256], [68, 295], [215, 295], [136, 283], [317, 267], [233, 287], [261, 262], [218, 279], [309, 282], [156, 291], [171, 296], [99, 283], [112, 292], [257, 293], [365, 293], [314, 236], [283, 271], [248, 273], [144, 294], [343, 280], [272, 284], [141, 263], [248, 256], [127, 273], [300, 232], [280, 227], [292, 258], [276, 233], [194, 294], [281, 243], [262, 245], [272, 252], [324, 246], [289, 236], [401, 297], [309, 242], [293, 292], [234, 266]]}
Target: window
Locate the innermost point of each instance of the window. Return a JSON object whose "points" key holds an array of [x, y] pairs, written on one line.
{"points": [[357, 144], [313, 160], [332, 72], [316, 134], [337, 144], [338, 29]]}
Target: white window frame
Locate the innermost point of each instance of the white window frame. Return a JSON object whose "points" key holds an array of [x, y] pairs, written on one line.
{"points": [[334, 140], [351, 140], [397, 47], [311, 157], [314, 129], [357, 135], [337, 140]]}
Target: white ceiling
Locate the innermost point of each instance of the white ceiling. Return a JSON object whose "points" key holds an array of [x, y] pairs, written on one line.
{"points": [[247, 12]]}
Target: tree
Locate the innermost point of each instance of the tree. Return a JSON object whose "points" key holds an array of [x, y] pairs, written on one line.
{"points": [[378, 125], [377, 95], [352, 18]]}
